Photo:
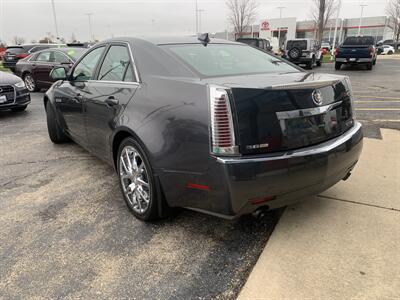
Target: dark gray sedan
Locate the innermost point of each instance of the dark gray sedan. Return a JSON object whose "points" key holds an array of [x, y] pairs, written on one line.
{"points": [[13, 93], [215, 126]]}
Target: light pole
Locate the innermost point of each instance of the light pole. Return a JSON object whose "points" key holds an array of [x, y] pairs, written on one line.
{"points": [[55, 19], [279, 28], [199, 12], [362, 10], [197, 18], [90, 26]]}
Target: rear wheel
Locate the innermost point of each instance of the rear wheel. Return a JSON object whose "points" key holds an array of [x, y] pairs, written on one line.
{"points": [[390, 52], [56, 134], [20, 108], [337, 65], [30, 83], [138, 183]]}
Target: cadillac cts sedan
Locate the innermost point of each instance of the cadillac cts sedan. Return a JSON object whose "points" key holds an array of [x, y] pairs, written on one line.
{"points": [[211, 125]]}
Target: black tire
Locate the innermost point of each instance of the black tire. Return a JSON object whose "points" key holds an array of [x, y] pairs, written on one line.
{"points": [[319, 63], [19, 108], [156, 207], [390, 52], [294, 53], [30, 82], [370, 66], [337, 65], [56, 134], [374, 62]]}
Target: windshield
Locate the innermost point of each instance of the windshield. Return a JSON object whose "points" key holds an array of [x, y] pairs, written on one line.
{"points": [[359, 41], [15, 50], [228, 59]]}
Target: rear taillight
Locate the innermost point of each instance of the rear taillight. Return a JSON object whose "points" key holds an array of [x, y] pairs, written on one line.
{"points": [[22, 55], [222, 130], [371, 52], [336, 52]]}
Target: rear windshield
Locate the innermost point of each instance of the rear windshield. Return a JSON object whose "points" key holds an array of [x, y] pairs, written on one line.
{"points": [[15, 50], [249, 42], [302, 44], [359, 40], [75, 53], [228, 59]]}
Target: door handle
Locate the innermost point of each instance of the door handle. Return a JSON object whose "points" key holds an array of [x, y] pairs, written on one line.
{"points": [[111, 101]]}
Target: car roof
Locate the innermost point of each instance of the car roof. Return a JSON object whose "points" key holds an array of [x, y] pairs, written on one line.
{"points": [[169, 40]]}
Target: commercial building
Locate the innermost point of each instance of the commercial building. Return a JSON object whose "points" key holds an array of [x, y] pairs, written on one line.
{"points": [[288, 28]]}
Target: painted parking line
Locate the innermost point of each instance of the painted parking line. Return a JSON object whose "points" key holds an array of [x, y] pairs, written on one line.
{"points": [[385, 109], [377, 101], [379, 120], [377, 97]]}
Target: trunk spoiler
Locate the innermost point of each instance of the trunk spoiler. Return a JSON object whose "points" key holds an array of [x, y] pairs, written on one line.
{"points": [[304, 85]]}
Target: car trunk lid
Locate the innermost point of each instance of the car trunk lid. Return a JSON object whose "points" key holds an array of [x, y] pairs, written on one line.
{"points": [[275, 113]]}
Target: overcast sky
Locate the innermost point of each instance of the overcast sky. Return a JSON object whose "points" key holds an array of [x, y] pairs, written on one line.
{"points": [[32, 19]]}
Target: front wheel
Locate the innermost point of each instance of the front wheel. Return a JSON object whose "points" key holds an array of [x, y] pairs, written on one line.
{"points": [[56, 134], [370, 66], [337, 65], [30, 83], [137, 182], [390, 52], [319, 63]]}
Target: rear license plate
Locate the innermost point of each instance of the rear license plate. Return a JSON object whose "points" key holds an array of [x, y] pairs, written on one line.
{"points": [[3, 99], [352, 59]]}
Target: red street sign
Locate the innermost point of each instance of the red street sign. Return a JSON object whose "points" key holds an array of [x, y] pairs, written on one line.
{"points": [[265, 25]]}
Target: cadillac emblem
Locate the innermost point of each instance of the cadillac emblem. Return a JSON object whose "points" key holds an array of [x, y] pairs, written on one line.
{"points": [[317, 97]]}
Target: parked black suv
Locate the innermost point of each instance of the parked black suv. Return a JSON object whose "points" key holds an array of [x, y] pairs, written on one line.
{"points": [[14, 53], [256, 42]]}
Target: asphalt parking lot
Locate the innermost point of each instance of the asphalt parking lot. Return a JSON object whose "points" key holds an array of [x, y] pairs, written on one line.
{"points": [[65, 230]]}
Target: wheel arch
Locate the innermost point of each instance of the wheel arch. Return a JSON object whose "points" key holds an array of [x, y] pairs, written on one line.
{"points": [[117, 138]]}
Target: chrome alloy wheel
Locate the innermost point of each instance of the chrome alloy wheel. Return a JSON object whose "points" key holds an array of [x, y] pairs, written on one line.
{"points": [[134, 179], [30, 83]]}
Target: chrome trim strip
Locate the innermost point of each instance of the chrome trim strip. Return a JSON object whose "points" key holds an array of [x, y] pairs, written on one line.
{"points": [[283, 115], [114, 82], [305, 85], [134, 63], [313, 150]]}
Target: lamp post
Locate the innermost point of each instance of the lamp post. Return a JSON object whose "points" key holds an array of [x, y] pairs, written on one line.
{"points": [[279, 28], [55, 19], [90, 26], [197, 18], [200, 11], [362, 10]]}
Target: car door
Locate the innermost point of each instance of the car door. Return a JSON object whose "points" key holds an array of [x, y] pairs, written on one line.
{"points": [[41, 69], [70, 95], [110, 93]]}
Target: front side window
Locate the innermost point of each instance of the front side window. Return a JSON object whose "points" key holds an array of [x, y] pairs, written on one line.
{"points": [[116, 65], [60, 58], [228, 59], [86, 67], [43, 56]]}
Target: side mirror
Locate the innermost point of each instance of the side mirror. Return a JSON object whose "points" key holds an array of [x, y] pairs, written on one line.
{"points": [[58, 73]]}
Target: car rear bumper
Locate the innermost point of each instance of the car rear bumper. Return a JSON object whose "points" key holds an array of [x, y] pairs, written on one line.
{"points": [[9, 64], [354, 60], [277, 181]]}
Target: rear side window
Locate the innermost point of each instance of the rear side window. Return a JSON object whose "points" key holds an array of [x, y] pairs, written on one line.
{"points": [[86, 67], [358, 41], [43, 56], [301, 44], [116, 65]]}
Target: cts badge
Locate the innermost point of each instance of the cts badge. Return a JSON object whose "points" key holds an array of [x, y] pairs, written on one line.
{"points": [[317, 97]]}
